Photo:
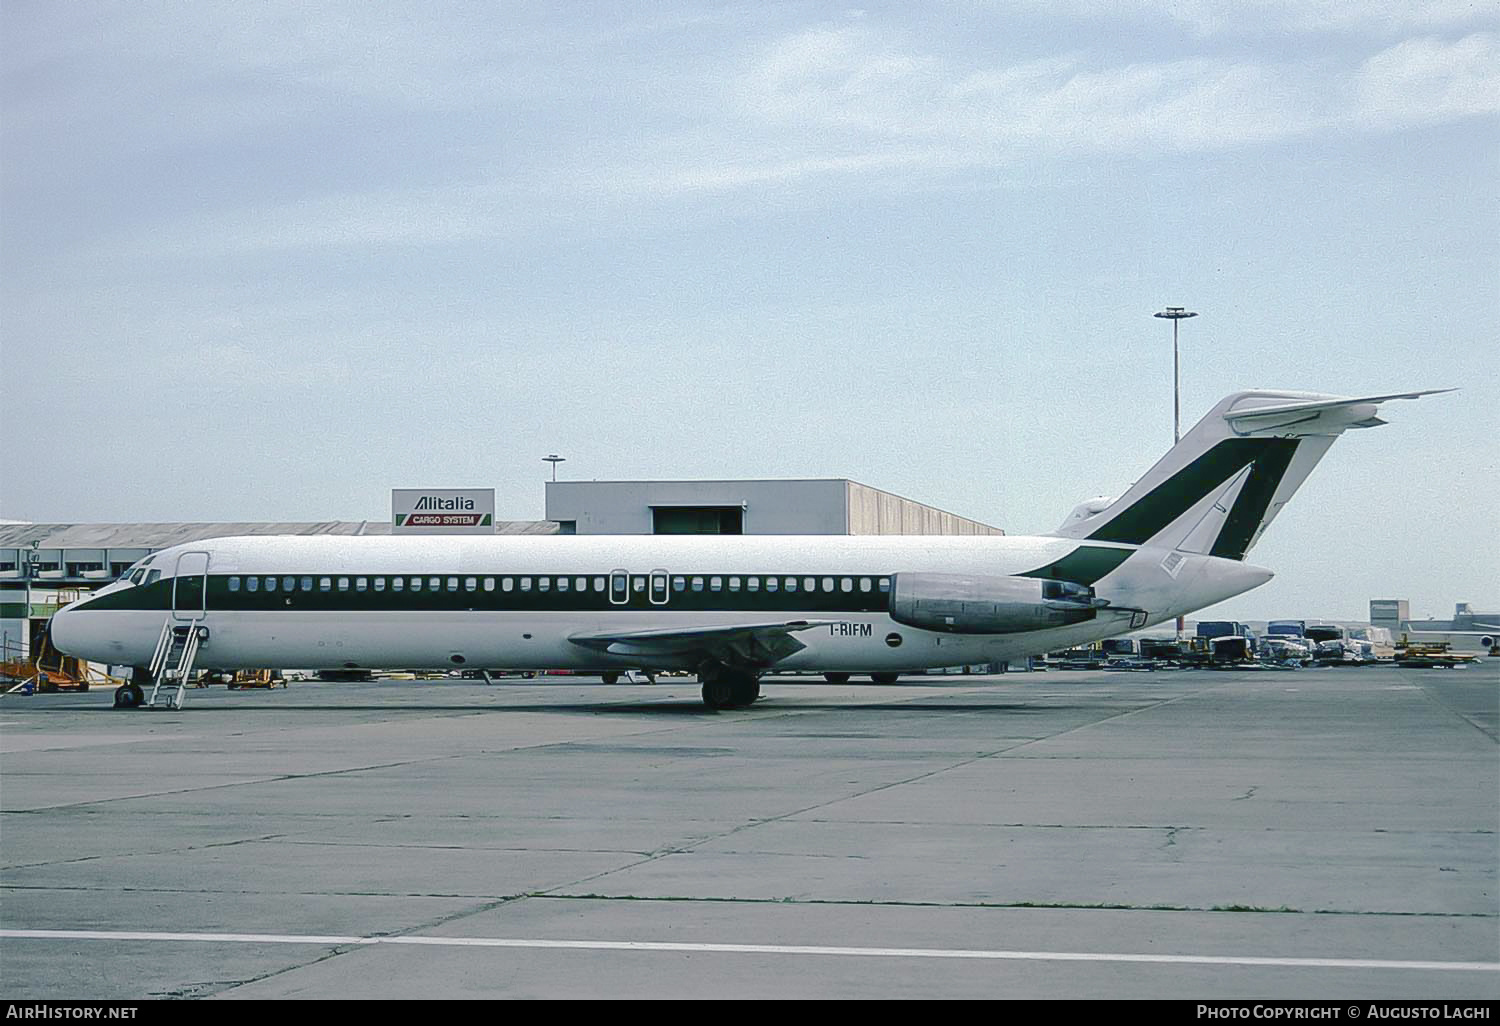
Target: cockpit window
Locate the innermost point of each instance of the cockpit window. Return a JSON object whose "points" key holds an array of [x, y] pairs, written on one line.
{"points": [[153, 577], [135, 578]]}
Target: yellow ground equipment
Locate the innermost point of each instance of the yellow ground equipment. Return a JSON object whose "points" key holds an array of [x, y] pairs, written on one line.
{"points": [[48, 669], [243, 679], [1430, 654]]}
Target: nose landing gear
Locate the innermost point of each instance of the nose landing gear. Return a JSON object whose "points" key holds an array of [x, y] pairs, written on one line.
{"points": [[133, 695]]}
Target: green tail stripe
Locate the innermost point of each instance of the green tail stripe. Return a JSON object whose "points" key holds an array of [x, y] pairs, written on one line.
{"points": [[1255, 498], [1151, 513]]}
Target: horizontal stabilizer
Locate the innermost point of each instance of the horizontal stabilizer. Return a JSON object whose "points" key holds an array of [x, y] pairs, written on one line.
{"points": [[1323, 415]]}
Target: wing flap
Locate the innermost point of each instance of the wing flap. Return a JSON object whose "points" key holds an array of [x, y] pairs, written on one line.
{"points": [[741, 644]]}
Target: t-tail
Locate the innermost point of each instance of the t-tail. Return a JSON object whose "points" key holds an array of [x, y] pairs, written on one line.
{"points": [[1216, 491]]}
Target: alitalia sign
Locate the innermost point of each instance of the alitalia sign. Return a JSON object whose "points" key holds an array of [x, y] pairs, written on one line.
{"points": [[443, 510]]}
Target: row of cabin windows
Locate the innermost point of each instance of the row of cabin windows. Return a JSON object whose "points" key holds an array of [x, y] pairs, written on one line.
{"points": [[828, 584], [562, 584]]}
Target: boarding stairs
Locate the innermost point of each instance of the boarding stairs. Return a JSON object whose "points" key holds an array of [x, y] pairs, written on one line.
{"points": [[172, 662]]}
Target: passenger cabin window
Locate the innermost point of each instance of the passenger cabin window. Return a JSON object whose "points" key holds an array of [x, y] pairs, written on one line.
{"points": [[885, 584], [772, 583], [471, 584], [716, 584], [864, 584], [234, 584], [526, 584], [489, 584], [289, 584], [270, 584], [563, 584], [828, 584], [507, 584], [543, 583], [752, 584], [361, 584], [252, 584], [734, 584], [380, 584], [307, 584], [697, 584], [847, 584], [398, 583], [416, 584], [791, 584], [343, 584], [598, 584], [679, 584], [325, 584], [580, 584], [453, 584]]}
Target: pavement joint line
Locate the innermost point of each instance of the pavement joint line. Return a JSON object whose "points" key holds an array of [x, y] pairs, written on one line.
{"points": [[1435, 700], [280, 778], [755, 949], [151, 853], [969, 761], [557, 894], [694, 845]]}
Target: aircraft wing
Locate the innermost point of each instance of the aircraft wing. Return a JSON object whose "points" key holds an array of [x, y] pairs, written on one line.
{"points": [[740, 644]]}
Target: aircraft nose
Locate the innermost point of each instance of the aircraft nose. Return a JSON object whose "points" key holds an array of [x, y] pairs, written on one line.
{"points": [[62, 629]]}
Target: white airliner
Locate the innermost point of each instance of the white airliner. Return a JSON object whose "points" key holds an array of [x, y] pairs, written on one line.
{"points": [[728, 608]]}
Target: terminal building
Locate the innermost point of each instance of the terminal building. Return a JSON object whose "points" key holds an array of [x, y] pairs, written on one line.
{"points": [[45, 566], [1468, 631], [817, 506]]}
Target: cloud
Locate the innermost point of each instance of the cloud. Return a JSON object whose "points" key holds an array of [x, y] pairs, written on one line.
{"points": [[848, 100], [847, 81], [543, 143], [1429, 81], [1381, 18]]}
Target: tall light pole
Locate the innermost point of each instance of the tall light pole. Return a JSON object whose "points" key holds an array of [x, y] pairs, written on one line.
{"points": [[554, 459], [30, 570], [1175, 314]]}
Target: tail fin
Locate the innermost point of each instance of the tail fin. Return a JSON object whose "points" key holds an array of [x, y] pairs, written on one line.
{"points": [[1216, 490]]}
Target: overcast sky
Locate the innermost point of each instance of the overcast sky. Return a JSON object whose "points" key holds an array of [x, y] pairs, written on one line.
{"points": [[266, 261]]}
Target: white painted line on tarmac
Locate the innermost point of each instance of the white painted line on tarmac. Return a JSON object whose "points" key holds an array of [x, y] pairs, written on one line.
{"points": [[325, 940]]}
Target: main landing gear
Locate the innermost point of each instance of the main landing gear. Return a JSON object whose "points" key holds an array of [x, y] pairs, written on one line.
{"points": [[729, 689]]}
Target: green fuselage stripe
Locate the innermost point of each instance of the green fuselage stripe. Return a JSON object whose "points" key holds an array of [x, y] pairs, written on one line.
{"points": [[159, 596], [1084, 565]]}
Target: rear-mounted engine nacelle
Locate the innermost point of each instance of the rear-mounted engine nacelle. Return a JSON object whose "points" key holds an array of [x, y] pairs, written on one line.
{"points": [[961, 604]]}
